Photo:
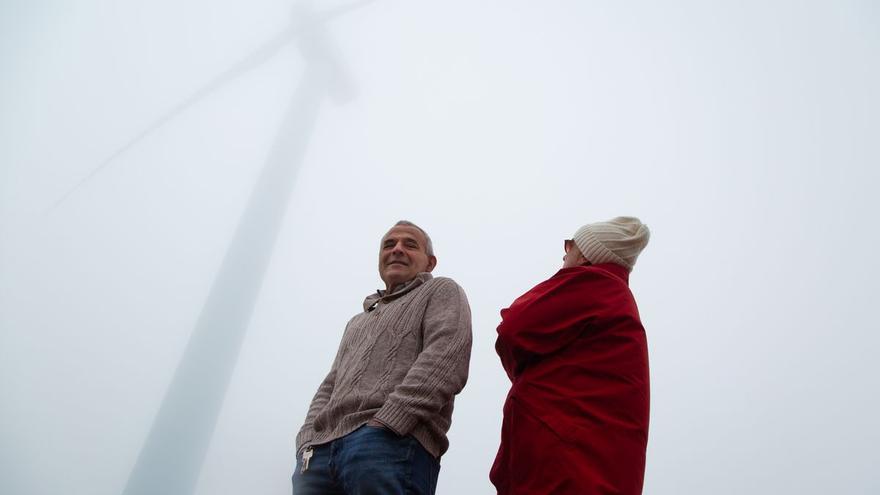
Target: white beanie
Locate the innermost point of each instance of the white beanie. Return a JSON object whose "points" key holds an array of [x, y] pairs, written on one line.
{"points": [[619, 240]]}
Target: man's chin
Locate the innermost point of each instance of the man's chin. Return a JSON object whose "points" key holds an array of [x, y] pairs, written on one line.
{"points": [[396, 270], [393, 278]]}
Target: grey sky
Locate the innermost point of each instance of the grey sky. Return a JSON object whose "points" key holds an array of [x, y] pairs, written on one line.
{"points": [[745, 134]]}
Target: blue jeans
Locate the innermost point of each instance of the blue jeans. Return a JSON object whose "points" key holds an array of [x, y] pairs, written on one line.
{"points": [[368, 461]]}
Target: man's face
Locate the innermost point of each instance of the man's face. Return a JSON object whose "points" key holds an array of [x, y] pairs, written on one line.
{"points": [[573, 256], [402, 255]]}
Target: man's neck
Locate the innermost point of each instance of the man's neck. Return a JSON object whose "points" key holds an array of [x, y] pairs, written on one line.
{"points": [[391, 289]]}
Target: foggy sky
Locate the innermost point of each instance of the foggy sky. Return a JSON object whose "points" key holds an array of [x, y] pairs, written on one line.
{"points": [[744, 134]]}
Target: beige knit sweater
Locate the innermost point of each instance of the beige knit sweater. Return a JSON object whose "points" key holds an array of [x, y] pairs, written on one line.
{"points": [[401, 361]]}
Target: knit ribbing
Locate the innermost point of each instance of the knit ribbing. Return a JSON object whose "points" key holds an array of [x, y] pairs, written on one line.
{"points": [[619, 240]]}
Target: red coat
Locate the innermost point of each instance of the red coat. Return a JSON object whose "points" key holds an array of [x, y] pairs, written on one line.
{"points": [[576, 417]]}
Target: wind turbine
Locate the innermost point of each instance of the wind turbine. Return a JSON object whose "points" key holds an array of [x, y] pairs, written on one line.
{"points": [[173, 453]]}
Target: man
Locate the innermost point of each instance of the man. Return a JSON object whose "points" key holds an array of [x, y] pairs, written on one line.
{"points": [[576, 417], [378, 423]]}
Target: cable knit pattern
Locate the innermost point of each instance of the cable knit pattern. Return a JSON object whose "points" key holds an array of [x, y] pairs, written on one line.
{"points": [[401, 363]]}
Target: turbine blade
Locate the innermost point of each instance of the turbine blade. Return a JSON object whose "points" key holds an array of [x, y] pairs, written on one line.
{"points": [[335, 12], [255, 58], [252, 60]]}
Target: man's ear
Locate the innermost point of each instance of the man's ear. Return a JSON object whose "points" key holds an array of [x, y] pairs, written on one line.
{"points": [[432, 262]]}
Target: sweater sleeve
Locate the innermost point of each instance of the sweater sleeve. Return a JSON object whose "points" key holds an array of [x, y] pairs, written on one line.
{"points": [[441, 369], [322, 396], [553, 314]]}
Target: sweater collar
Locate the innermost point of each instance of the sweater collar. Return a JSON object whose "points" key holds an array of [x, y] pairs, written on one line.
{"points": [[383, 297]]}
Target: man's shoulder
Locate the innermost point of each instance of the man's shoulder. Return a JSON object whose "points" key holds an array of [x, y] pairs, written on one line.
{"points": [[445, 292], [444, 284], [443, 281]]}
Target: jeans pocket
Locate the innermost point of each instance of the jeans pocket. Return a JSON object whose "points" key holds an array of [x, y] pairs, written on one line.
{"points": [[382, 443]]}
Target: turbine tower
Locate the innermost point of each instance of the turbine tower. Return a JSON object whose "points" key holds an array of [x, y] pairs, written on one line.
{"points": [[172, 455]]}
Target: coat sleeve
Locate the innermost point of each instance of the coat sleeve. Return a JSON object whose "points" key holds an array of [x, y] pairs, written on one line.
{"points": [[441, 369], [553, 314]]}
